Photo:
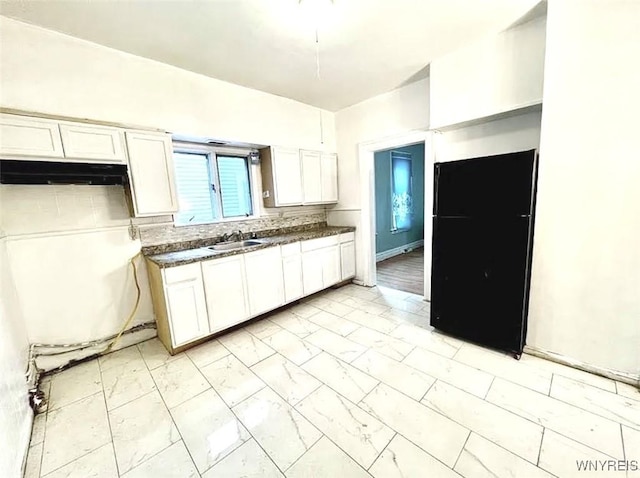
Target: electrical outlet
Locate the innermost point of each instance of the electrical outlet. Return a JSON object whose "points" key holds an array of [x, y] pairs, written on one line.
{"points": [[265, 194]]}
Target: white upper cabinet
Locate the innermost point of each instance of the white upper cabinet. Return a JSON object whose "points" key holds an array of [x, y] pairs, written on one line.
{"points": [[152, 175], [265, 286], [311, 176], [281, 177], [24, 136], [320, 177], [88, 142], [329, 175], [292, 177]]}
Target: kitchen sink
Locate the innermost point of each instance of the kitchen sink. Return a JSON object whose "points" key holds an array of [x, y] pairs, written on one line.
{"points": [[229, 246]]}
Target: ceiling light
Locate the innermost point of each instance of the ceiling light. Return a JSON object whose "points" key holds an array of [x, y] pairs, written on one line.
{"points": [[316, 12]]}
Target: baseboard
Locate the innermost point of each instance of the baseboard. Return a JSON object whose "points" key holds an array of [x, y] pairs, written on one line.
{"points": [[396, 251], [629, 378], [49, 363]]}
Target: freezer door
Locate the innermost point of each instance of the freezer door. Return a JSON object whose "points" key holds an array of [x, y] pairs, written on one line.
{"points": [[500, 185], [480, 280]]}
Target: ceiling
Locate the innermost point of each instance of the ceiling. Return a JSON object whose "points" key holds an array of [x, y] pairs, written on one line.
{"points": [[366, 47]]}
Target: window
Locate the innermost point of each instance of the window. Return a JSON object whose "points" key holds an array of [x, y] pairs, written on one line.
{"points": [[212, 184], [401, 191]]}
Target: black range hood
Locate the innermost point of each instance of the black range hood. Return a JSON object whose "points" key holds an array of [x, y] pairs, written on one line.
{"points": [[52, 172]]}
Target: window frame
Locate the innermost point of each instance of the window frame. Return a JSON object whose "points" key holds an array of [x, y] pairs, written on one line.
{"points": [[408, 157], [212, 152]]}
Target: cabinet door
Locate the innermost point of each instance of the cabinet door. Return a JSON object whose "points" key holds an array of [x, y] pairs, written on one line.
{"points": [[264, 280], [26, 136], [347, 260], [312, 271], [292, 272], [330, 266], [226, 292], [329, 181], [287, 176], [86, 142], [187, 311], [152, 175], [311, 176]]}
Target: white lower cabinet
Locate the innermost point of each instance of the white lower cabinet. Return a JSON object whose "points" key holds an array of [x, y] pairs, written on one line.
{"points": [[226, 291], [196, 300], [186, 306], [265, 284], [330, 266], [312, 271], [292, 272], [347, 260]]}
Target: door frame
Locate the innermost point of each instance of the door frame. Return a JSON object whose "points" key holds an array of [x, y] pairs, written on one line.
{"points": [[366, 151]]}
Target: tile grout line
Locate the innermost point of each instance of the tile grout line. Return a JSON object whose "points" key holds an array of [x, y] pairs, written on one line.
{"points": [[322, 435], [624, 450], [383, 449], [537, 423], [355, 405], [171, 417], [77, 458], [106, 409], [254, 438], [489, 389], [478, 433], [591, 412], [540, 449], [428, 389], [44, 432], [462, 449]]}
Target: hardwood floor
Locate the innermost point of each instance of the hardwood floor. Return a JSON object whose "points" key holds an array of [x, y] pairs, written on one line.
{"points": [[404, 272]]}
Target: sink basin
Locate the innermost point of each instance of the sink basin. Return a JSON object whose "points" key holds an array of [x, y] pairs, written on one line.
{"points": [[228, 246]]}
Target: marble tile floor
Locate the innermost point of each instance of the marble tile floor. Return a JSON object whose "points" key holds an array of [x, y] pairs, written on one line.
{"points": [[351, 382]]}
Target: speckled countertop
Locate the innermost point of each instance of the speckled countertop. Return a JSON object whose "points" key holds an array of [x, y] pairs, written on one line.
{"points": [[203, 253]]}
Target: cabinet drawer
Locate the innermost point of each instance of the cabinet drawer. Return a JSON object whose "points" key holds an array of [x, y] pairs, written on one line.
{"points": [[347, 236], [319, 243], [181, 273], [290, 249]]}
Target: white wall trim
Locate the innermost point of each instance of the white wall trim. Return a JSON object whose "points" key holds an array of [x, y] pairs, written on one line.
{"points": [[366, 152], [396, 251], [625, 377]]}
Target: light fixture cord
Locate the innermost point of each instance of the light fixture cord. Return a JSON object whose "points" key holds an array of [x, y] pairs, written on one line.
{"points": [[318, 77], [317, 55]]}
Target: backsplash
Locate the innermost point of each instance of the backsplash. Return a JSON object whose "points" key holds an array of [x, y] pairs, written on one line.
{"points": [[167, 233], [41, 209]]}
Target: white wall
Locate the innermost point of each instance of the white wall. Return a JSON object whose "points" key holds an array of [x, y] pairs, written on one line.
{"points": [[585, 298], [397, 112], [497, 73], [517, 133], [15, 414], [69, 249], [68, 246], [48, 72]]}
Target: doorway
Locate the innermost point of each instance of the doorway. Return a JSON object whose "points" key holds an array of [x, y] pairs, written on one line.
{"points": [[366, 153], [399, 214]]}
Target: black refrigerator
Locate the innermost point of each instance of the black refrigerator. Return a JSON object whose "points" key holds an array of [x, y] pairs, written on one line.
{"points": [[483, 219]]}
